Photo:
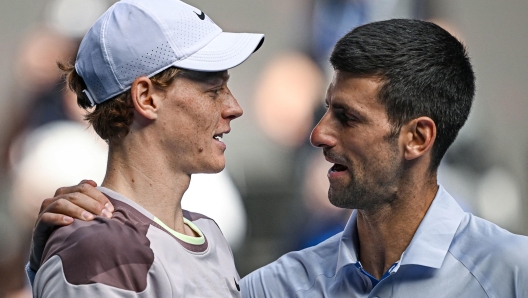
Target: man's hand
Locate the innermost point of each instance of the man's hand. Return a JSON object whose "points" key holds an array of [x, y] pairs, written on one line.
{"points": [[81, 201]]}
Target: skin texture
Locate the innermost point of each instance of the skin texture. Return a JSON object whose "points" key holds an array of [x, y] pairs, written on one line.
{"points": [[386, 176]]}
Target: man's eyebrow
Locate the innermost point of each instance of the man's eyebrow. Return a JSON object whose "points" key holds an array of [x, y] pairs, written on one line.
{"points": [[341, 106], [348, 109]]}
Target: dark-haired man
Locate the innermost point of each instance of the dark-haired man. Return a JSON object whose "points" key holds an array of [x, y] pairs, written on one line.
{"points": [[401, 91]]}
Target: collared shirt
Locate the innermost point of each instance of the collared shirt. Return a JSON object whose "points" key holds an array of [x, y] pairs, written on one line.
{"points": [[452, 254]]}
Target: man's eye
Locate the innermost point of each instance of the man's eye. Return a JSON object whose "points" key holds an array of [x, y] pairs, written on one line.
{"points": [[344, 118], [216, 91]]}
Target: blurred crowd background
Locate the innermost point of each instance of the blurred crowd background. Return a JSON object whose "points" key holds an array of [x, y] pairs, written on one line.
{"points": [[271, 198]]}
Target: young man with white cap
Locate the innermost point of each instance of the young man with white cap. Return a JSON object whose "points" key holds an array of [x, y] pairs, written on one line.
{"points": [[156, 72]]}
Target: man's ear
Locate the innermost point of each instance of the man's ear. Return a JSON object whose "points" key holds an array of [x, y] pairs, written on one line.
{"points": [[418, 136], [144, 98]]}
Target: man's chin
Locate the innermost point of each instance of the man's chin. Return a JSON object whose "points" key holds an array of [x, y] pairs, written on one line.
{"points": [[337, 198], [212, 168], [216, 168], [346, 198]]}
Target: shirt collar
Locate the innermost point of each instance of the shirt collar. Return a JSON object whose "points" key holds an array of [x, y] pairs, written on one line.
{"points": [[348, 244], [433, 238], [119, 197], [430, 243]]}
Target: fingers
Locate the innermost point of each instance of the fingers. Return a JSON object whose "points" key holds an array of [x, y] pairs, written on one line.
{"points": [[81, 201], [48, 219], [69, 189], [91, 182], [55, 219], [78, 205], [88, 188], [75, 205], [83, 195]]}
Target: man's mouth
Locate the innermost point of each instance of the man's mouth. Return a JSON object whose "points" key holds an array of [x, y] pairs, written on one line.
{"points": [[338, 168], [218, 137]]}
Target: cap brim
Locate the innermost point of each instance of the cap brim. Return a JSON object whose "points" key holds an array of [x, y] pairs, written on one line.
{"points": [[225, 51]]}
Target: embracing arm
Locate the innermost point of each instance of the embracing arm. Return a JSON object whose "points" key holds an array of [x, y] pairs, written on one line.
{"points": [[81, 201]]}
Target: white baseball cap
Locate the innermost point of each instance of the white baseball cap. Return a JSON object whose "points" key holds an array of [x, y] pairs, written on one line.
{"points": [[136, 38]]}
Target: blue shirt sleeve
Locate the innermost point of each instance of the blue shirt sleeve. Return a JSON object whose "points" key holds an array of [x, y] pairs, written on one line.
{"points": [[30, 274]]}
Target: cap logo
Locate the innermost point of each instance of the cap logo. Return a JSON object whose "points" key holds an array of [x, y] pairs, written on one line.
{"points": [[201, 16]]}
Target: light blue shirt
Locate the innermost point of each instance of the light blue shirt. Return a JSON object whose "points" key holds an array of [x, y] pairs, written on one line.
{"points": [[452, 254]]}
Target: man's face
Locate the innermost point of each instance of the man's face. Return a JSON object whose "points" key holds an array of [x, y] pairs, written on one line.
{"points": [[355, 136], [199, 109]]}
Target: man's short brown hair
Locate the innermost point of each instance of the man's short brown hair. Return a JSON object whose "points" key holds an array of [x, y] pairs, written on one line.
{"points": [[111, 119]]}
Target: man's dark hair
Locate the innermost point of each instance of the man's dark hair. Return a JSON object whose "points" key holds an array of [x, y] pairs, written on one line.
{"points": [[425, 71]]}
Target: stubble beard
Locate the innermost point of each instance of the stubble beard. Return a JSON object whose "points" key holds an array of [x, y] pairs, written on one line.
{"points": [[362, 196], [368, 194]]}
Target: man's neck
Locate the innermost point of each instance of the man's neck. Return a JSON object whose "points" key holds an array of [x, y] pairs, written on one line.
{"points": [[149, 180], [384, 234]]}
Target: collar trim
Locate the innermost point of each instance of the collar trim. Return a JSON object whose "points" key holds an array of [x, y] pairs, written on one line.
{"points": [[433, 238], [430, 243]]}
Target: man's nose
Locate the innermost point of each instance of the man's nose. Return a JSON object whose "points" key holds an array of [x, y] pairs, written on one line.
{"points": [[233, 109], [322, 135]]}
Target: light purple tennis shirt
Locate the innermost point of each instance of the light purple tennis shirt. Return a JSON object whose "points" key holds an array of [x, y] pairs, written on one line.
{"points": [[133, 254]]}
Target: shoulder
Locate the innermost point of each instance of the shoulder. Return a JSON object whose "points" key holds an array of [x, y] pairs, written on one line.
{"points": [[477, 236], [101, 238], [293, 271], [193, 216], [496, 257], [114, 252], [201, 220]]}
